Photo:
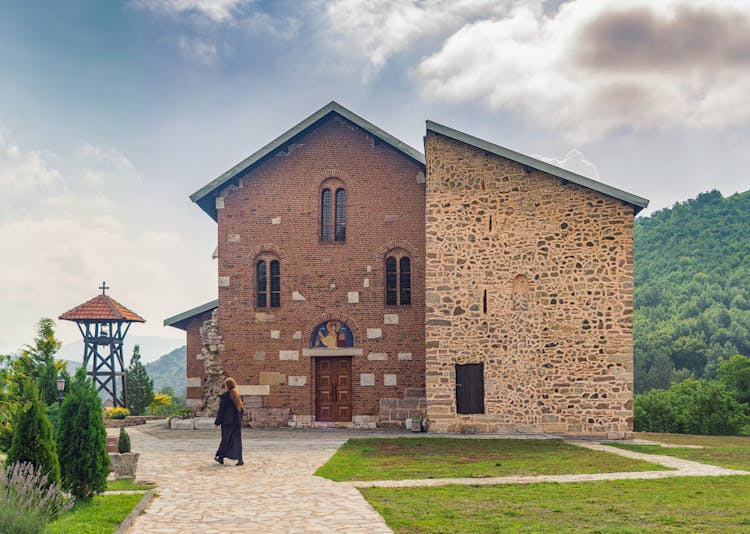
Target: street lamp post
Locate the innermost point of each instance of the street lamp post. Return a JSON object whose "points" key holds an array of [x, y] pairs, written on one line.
{"points": [[60, 390]]}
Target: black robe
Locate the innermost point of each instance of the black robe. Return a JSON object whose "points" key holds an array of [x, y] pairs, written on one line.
{"points": [[231, 428]]}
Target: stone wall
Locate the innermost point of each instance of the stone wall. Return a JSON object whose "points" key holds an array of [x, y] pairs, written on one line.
{"points": [[533, 277], [196, 373]]}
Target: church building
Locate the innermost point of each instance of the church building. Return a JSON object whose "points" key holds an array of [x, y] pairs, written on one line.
{"points": [[364, 284]]}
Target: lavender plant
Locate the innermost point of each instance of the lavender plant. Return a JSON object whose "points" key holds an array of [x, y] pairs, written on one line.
{"points": [[28, 500]]}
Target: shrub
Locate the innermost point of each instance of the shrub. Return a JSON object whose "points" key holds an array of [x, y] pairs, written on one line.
{"points": [[81, 441], [32, 435], [116, 413], [123, 443], [163, 404], [139, 386], [28, 500]]}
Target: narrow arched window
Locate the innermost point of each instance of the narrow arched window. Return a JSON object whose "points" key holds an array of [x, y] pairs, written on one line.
{"points": [[340, 224], [391, 280], [325, 215], [261, 281], [268, 283], [397, 280], [404, 281]]}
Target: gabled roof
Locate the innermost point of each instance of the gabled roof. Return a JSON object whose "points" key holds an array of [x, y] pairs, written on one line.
{"points": [[204, 197], [180, 320], [637, 202], [101, 308]]}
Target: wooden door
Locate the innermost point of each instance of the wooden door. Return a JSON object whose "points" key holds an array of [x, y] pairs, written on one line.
{"points": [[333, 389], [470, 388]]}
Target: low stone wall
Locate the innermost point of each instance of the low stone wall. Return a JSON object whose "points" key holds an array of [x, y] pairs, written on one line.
{"points": [[130, 420]]}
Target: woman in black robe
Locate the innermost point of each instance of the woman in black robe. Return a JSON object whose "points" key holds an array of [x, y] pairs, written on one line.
{"points": [[230, 419]]}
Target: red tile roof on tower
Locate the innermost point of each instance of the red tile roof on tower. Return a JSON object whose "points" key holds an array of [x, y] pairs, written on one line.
{"points": [[101, 308]]}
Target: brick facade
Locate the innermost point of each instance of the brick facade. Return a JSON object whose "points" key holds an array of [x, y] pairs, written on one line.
{"points": [[554, 263], [516, 265]]}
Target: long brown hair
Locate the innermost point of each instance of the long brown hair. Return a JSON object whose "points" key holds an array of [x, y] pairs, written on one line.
{"points": [[231, 386]]}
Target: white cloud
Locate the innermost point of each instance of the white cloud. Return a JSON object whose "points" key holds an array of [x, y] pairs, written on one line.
{"points": [[64, 232], [213, 10], [379, 29], [573, 161], [197, 49], [595, 66]]}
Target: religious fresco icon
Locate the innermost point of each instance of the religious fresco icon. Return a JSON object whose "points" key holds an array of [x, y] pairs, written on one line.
{"points": [[331, 335]]}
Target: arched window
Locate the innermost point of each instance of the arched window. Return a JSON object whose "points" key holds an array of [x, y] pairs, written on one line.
{"points": [[268, 283], [397, 280], [333, 214]]}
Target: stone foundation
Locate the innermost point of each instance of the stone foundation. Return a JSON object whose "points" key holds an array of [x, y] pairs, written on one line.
{"points": [[395, 412]]}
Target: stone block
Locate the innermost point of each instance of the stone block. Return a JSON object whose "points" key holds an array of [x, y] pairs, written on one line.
{"points": [[254, 389], [219, 203], [275, 334], [365, 421], [353, 297], [369, 268], [377, 356], [297, 296], [181, 424], [124, 465], [192, 403], [404, 356], [233, 238], [272, 379], [298, 381], [260, 355], [288, 355], [194, 382], [374, 333], [366, 282], [367, 379], [275, 220], [408, 404], [302, 418], [199, 356], [414, 392], [421, 178], [389, 379], [297, 335], [223, 281], [390, 318], [252, 401], [204, 423], [388, 404]]}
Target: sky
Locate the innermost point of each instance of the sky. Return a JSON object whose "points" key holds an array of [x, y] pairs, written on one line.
{"points": [[113, 113]]}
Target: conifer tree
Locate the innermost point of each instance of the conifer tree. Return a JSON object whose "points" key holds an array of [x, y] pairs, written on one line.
{"points": [[33, 441], [81, 440], [41, 359], [139, 386]]}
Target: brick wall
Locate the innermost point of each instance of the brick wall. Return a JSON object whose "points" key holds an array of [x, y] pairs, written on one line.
{"points": [[275, 212], [556, 263]]}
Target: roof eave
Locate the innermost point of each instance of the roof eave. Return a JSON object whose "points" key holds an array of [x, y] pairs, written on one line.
{"points": [[179, 320], [204, 198], [637, 202]]}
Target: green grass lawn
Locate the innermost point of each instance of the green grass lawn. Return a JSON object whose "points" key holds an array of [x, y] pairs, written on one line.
{"points": [[694, 504], [409, 458], [102, 515], [725, 451], [127, 485]]}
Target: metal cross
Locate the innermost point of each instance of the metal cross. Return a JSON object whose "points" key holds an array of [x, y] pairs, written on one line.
{"points": [[104, 287]]}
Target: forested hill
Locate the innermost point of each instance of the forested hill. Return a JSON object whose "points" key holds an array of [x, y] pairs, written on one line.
{"points": [[692, 288], [169, 370]]}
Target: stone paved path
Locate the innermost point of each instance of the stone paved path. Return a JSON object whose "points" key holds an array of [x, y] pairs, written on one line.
{"points": [[276, 492]]}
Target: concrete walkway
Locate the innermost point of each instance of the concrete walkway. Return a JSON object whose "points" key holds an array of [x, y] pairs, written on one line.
{"points": [[276, 492]]}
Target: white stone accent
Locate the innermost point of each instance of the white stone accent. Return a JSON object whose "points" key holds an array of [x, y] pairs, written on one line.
{"points": [[260, 355], [390, 318], [389, 380], [297, 296], [297, 335], [365, 421], [194, 382], [181, 424], [374, 333], [353, 297], [223, 281], [367, 379], [233, 238], [369, 268], [275, 334], [366, 282], [275, 220], [375, 356], [288, 355], [297, 380], [192, 403], [255, 389], [404, 355], [302, 418], [219, 203], [421, 178], [199, 356]]}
